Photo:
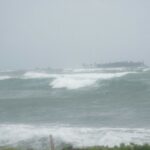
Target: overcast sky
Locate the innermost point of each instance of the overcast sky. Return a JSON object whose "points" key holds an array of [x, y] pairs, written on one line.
{"points": [[67, 33]]}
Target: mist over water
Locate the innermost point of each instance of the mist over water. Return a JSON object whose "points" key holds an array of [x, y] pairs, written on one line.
{"points": [[94, 105], [83, 107]]}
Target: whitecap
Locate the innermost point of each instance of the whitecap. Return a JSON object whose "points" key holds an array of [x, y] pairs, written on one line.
{"points": [[80, 80], [5, 77], [37, 75], [77, 136]]}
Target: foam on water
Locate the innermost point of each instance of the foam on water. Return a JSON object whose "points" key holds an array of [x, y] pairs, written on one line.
{"points": [[77, 136], [37, 75], [32, 105], [71, 82], [5, 77], [75, 81], [68, 80], [146, 69]]}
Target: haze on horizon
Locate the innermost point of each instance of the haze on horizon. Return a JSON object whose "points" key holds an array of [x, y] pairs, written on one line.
{"points": [[67, 33]]}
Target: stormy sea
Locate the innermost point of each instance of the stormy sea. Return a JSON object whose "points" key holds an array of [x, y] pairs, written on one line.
{"points": [[82, 107]]}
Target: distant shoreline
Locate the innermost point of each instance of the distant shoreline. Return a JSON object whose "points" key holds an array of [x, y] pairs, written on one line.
{"points": [[120, 64]]}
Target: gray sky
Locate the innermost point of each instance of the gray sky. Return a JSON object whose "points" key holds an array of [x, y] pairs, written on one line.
{"points": [[66, 33]]}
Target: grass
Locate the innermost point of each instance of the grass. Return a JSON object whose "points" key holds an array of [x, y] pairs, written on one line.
{"points": [[121, 147]]}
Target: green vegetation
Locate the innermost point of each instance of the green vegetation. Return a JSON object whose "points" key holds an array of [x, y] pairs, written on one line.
{"points": [[8, 148], [121, 147], [14, 148]]}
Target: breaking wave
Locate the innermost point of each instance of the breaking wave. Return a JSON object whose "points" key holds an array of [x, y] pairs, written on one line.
{"points": [[5, 77], [91, 114], [70, 80], [37, 75], [77, 136], [75, 81]]}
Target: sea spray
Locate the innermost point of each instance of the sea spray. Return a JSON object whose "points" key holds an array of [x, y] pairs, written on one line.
{"points": [[78, 107]]}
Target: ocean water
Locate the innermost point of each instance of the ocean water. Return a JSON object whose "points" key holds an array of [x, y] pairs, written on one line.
{"points": [[82, 107]]}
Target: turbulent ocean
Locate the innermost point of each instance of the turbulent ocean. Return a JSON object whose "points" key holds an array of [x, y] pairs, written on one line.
{"points": [[82, 107]]}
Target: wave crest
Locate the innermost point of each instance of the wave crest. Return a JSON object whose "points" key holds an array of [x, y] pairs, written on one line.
{"points": [[75, 81], [38, 75], [5, 77], [78, 137]]}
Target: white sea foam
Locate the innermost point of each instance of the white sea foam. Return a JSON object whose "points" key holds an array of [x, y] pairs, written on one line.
{"points": [[71, 82], [5, 77], [36, 75], [146, 69], [75, 81], [78, 137]]}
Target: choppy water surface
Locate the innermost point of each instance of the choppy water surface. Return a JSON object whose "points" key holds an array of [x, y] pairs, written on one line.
{"points": [[83, 107]]}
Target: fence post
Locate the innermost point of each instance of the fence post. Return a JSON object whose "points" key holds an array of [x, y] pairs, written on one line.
{"points": [[52, 146]]}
